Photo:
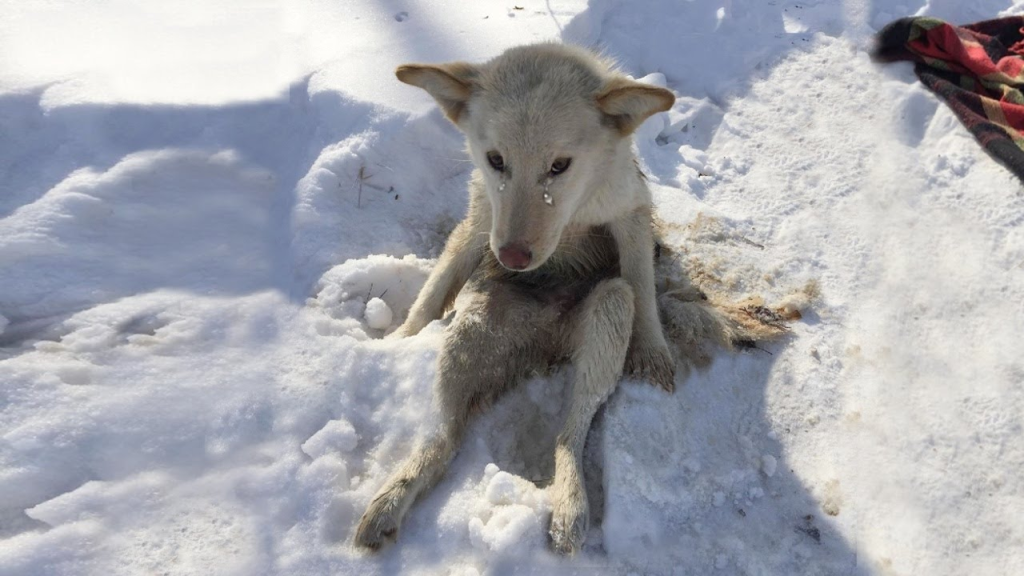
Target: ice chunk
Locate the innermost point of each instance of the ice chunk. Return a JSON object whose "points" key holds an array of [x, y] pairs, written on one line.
{"points": [[336, 436], [501, 489]]}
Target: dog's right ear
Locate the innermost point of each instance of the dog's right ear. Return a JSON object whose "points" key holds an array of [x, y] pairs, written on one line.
{"points": [[450, 84]]}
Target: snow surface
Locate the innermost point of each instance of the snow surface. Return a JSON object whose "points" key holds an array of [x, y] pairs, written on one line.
{"points": [[199, 201]]}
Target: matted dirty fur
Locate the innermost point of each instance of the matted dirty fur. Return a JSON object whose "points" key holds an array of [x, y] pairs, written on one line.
{"points": [[698, 318]]}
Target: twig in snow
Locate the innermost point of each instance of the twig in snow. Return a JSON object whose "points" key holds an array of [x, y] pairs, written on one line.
{"points": [[359, 197], [751, 242], [362, 176]]}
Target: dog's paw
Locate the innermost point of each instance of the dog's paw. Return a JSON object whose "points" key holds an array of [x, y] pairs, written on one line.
{"points": [[379, 524], [569, 520], [652, 362]]}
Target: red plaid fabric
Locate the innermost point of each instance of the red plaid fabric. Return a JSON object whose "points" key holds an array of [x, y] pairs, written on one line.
{"points": [[978, 70]]}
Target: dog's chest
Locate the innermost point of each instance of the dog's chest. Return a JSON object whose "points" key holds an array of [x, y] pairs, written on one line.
{"points": [[583, 258]]}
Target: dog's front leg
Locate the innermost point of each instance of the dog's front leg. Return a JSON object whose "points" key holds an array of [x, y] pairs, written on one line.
{"points": [[648, 355], [461, 255], [599, 339]]}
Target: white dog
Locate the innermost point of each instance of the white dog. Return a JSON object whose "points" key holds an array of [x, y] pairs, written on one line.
{"points": [[554, 262]]}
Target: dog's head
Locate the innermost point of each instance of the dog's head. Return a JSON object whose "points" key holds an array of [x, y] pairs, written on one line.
{"points": [[546, 125]]}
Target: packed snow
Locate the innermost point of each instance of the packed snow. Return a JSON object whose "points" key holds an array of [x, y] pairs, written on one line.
{"points": [[211, 213]]}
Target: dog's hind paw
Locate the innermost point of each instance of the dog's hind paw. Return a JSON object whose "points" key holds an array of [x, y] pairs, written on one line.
{"points": [[378, 526], [569, 521], [653, 363]]}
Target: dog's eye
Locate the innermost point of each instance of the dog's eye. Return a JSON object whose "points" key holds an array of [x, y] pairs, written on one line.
{"points": [[560, 165], [497, 162]]}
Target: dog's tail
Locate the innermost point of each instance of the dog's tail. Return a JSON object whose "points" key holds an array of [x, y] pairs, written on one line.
{"points": [[700, 314], [696, 323]]}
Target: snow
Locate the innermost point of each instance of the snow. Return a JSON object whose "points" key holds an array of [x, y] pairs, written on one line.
{"points": [[337, 433], [210, 214]]}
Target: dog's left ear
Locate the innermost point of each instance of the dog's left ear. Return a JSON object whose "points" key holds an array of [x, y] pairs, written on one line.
{"points": [[626, 104], [450, 84]]}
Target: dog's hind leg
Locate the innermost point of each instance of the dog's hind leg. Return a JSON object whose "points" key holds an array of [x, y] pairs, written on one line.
{"points": [[490, 344], [599, 337], [379, 524]]}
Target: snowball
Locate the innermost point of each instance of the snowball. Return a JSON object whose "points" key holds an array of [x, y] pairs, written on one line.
{"points": [[510, 530], [336, 436], [768, 465], [378, 314], [490, 470], [501, 489]]}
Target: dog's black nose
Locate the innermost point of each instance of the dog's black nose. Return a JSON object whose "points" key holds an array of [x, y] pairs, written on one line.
{"points": [[514, 256]]}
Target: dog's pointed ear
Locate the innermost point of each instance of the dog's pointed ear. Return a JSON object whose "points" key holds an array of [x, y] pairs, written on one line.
{"points": [[626, 104], [450, 84]]}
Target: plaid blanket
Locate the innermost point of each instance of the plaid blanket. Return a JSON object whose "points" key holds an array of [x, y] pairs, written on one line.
{"points": [[977, 69]]}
